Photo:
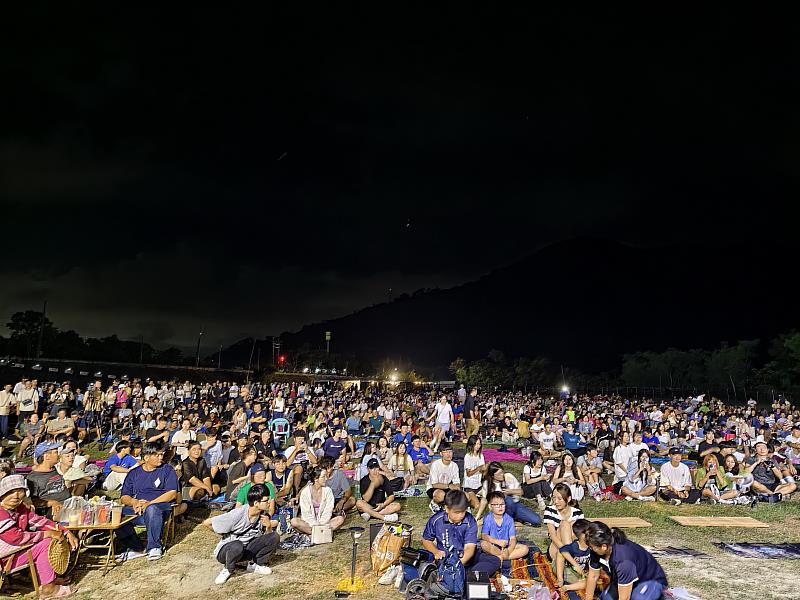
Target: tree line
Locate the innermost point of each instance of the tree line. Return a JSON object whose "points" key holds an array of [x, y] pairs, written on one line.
{"points": [[747, 369]]}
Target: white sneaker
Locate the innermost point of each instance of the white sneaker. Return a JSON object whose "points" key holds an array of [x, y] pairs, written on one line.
{"points": [[154, 554], [365, 516], [389, 576], [628, 498], [129, 555], [223, 576], [676, 501], [393, 518], [399, 579], [435, 508], [542, 504], [647, 498], [259, 569]]}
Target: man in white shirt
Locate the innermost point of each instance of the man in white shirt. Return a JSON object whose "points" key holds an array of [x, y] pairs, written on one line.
{"points": [[150, 390], [676, 481], [547, 442], [8, 402], [27, 401], [443, 476]]}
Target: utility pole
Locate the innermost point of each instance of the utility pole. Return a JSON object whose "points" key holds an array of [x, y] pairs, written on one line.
{"points": [[141, 348], [197, 355], [219, 358], [41, 331], [327, 342]]}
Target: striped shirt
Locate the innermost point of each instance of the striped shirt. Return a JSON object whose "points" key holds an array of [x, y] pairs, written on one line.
{"points": [[552, 516]]}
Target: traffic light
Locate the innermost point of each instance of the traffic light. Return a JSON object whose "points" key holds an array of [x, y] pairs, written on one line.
{"points": [[281, 360]]}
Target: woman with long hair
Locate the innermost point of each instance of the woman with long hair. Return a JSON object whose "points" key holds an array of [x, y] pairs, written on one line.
{"points": [[635, 574], [559, 517], [316, 505], [401, 465], [474, 467], [640, 481], [568, 472], [712, 480], [536, 480], [496, 479]]}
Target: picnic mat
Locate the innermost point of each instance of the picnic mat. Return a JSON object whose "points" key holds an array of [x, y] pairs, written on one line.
{"points": [[624, 522], [747, 522], [490, 454], [758, 550]]}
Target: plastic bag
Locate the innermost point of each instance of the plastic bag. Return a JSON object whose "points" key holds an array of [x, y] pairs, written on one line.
{"points": [[71, 511]]}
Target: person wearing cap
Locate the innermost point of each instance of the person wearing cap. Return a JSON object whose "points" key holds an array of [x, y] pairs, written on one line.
{"points": [[377, 497], [20, 526], [46, 485], [147, 493], [75, 478], [676, 480]]}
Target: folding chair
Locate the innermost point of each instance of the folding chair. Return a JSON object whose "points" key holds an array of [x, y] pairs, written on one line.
{"points": [[5, 566], [280, 429]]}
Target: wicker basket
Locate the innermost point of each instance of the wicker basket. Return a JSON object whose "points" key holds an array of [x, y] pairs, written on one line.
{"points": [[59, 554]]}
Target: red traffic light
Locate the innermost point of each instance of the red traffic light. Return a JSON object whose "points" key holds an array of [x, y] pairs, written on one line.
{"points": [[281, 359]]}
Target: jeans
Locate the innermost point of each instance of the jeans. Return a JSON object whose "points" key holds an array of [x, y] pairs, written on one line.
{"points": [[257, 550], [153, 519], [642, 590], [519, 512], [3, 426], [540, 488]]}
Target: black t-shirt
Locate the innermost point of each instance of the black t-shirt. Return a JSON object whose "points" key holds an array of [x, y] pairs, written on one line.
{"points": [[197, 469], [704, 445], [469, 405], [379, 495], [153, 431]]}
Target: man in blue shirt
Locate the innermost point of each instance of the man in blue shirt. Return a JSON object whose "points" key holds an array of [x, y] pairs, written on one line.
{"points": [[404, 436], [420, 455], [148, 493], [118, 466], [455, 527], [353, 424], [334, 446]]}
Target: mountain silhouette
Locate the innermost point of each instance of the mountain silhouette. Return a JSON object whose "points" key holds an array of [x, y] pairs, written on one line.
{"points": [[581, 303]]}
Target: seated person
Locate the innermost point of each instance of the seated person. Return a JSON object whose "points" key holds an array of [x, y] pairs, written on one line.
{"points": [[547, 442], [640, 482], [61, 424], [403, 436], [559, 518], [239, 472], [569, 473], [340, 486], [75, 478], [32, 431], [298, 457], [258, 475], [118, 466], [377, 497], [20, 526], [148, 492], [766, 475], [712, 481], [573, 441], [591, 465], [676, 480], [536, 480], [444, 475], [576, 553], [401, 465], [316, 506], [281, 477], [499, 534], [248, 535], [420, 454], [196, 476], [335, 446], [497, 480], [353, 424], [46, 485], [455, 527], [509, 434]]}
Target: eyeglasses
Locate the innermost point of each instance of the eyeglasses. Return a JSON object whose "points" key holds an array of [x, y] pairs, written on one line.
{"points": [[497, 505]]}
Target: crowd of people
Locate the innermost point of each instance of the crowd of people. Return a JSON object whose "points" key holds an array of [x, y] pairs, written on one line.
{"points": [[274, 458]]}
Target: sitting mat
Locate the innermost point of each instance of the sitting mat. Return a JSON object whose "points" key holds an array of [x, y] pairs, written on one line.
{"points": [[747, 522]]}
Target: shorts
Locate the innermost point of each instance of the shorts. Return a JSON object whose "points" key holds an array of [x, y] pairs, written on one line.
{"points": [[476, 491], [445, 427]]}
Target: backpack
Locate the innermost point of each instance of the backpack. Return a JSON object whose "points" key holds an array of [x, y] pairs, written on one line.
{"points": [[452, 573]]}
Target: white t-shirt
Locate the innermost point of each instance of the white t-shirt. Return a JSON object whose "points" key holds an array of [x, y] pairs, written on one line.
{"points": [[547, 440], [622, 456], [635, 448], [179, 437], [472, 461], [441, 473], [444, 414], [510, 482]]}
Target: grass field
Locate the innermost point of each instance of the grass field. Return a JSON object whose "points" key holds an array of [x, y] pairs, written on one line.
{"points": [[188, 569]]}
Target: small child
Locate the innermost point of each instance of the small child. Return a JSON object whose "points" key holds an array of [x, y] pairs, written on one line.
{"points": [[576, 554], [499, 534]]}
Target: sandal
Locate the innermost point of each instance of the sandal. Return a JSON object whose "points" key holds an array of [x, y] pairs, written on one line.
{"points": [[62, 592]]}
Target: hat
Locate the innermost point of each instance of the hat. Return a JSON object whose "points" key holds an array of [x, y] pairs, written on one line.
{"points": [[373, 463], [242, 436], [12, 482], [674, 450], [46, 447], [66, 450], [256, 468]]}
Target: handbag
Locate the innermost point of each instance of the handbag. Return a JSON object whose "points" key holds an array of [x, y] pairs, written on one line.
{"points": [[321, 534]]}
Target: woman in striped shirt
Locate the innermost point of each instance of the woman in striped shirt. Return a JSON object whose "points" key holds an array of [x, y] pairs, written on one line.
{"points": [[559, 517]]}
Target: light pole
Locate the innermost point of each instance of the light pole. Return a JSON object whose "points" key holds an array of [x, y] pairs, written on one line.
{"points": [[197, 356]]}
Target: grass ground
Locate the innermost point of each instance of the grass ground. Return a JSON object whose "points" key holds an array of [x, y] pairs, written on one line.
{"points": [[188, 569]]}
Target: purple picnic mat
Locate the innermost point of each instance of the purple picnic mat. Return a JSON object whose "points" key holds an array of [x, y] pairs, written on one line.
{"points": [[491, 454]]}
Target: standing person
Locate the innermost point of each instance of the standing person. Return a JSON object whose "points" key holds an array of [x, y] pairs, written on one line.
{"points": [[635, 574], [248, 535], [445, 422], [27, 401], [455, 528], [8, 402], [471, 415]]}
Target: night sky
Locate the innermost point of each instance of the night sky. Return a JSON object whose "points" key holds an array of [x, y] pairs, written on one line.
{"points": [[254, 172]]}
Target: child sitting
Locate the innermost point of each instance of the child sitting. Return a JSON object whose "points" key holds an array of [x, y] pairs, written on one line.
{"points": [[499, 534], [576, 553]]}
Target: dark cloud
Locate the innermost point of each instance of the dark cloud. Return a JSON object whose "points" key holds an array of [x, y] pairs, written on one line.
{"points": [[250, 173]]}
